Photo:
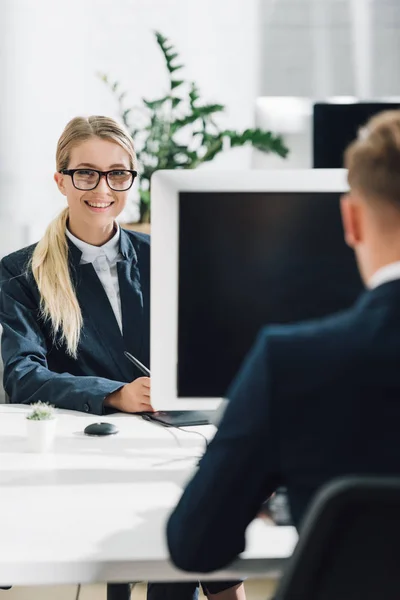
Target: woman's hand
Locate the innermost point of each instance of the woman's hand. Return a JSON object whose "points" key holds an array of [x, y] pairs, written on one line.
{"points": [[133, 397]]}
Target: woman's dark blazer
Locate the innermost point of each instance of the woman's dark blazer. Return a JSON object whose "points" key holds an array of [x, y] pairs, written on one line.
{"points": [[37, 366]]}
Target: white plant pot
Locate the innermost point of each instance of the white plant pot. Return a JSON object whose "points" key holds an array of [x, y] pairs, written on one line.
{"points": [[40, 434]]}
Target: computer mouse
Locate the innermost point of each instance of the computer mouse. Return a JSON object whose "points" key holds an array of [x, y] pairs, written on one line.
{"points": [[100, 429]]}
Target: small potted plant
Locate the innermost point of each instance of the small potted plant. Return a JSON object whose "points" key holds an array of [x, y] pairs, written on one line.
{"points": [[41, 427]]}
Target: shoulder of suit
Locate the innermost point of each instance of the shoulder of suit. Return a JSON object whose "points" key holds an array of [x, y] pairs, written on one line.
{"points": [[136, 235], [298, 355], [139, 242], [19, 259], [313, 333]]}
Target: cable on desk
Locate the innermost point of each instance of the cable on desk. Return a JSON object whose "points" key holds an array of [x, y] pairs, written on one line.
{"points": [[197, 433], [169, 428], [171, 460], [78, 591], [178, 441]]}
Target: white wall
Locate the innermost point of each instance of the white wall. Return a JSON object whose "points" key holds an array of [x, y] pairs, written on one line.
{"points": [[236, 50], [320, 49], [50, 54], [323, 48]]}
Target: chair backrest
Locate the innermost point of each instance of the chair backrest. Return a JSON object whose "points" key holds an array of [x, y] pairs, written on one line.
{"points": [[349, 544]]}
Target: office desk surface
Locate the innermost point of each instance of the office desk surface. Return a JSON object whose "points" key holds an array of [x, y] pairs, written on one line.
{"points": [[94, 509]]}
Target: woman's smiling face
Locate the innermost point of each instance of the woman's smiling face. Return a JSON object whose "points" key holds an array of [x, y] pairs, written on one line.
{"points": [[98, 207]]}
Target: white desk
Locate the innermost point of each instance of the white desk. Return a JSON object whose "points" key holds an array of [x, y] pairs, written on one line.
{"points": [[94, 510]]}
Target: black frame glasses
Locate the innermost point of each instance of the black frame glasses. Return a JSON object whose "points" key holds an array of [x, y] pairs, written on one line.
{"points": [[106, 174]]}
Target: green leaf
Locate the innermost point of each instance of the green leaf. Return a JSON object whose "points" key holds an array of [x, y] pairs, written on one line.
{"points": [[160, 38], [172, 56], [180, 123], [144, 196], [176, 83], [166, 49], [176, 102], [115, 86], [214, 149], [125, 115], [208, 109], [176, 68], [192, 155], [193, 94], [263, 140], [154, 104], [177, 148], [214, 146]]}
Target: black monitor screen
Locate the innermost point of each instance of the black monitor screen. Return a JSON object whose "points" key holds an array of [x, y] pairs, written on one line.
{"points": [[250, 259], [335, 126]]}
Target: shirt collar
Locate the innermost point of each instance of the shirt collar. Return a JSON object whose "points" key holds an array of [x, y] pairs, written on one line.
{"points": [[89, 252], [387, 273]]}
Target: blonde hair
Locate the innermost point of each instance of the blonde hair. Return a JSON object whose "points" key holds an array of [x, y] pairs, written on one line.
{"points": [[49, 263], [373, 160]]}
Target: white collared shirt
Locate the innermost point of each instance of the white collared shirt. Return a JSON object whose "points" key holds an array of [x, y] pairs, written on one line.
{"points": [[104, 259], [387, 273]]}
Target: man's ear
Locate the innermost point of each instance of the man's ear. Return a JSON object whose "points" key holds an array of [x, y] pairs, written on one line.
{"points": [[59, 178], [352, 220]]}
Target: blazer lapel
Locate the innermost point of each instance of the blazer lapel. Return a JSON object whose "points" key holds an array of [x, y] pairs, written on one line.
{"points": [[98, 313], [99, 317], [130, 287]]}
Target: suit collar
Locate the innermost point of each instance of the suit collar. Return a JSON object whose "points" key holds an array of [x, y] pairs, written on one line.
{"points": [[126, 249], [89, 252], [74, 253], [126, 246], [389, 272], [384, 293]]}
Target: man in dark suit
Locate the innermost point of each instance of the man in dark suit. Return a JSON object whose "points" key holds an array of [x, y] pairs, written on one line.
{"points": [[312, 401]]}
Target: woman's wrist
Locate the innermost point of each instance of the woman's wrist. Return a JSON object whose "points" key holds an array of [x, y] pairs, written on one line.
{"points": [[113, 400]]}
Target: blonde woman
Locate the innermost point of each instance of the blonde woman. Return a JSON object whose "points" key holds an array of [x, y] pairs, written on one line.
{"points": [[71, 304]]}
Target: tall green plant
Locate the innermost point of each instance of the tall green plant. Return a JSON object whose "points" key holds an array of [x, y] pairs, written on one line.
{"points": [[179, 115]]}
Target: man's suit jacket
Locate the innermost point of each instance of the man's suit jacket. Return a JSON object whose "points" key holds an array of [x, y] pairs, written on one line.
{"points": [[312, 402], [37, 368]]}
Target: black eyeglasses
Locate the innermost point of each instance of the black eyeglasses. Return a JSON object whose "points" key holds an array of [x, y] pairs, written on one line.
{"points": [[118, 180]]}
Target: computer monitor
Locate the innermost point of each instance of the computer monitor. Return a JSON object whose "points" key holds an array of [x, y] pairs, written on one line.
{"points": [[335, 125], [231, 252]]}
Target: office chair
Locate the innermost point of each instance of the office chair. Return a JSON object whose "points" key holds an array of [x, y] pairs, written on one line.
{"points": [[349, 544]]}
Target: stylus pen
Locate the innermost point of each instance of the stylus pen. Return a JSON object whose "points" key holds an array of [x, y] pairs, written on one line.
{"points": [[137, 362]]}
